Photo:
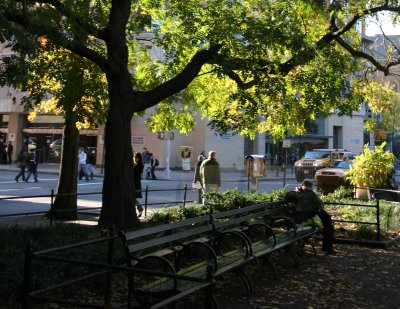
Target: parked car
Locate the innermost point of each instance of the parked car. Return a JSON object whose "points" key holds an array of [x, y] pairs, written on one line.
{"points": [[317, 159], [332, 177]]}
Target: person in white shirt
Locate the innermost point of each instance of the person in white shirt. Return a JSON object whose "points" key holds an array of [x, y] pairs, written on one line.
{"points": [[82, 158]]}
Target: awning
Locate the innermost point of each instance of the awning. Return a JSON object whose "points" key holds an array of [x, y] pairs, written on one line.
{"points": [[317, 139]]}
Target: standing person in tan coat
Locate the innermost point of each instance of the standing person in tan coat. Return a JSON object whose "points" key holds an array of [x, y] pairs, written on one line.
{"points": [[210, 174]]}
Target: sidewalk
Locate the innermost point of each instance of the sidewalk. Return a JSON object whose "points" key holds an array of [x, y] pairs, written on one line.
{"points": [[161, 174]]}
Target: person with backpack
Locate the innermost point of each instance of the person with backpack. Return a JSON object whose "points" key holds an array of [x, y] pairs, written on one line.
{"points": [[150, 170], [32, 166]]}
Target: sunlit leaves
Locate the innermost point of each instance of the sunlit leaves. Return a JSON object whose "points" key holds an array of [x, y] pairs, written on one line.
{"points": [[372, 167], [248, 87], [257, 37], [59, 81]]}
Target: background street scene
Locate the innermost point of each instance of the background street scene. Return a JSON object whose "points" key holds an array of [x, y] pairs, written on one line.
{"points": [[167, 189]]}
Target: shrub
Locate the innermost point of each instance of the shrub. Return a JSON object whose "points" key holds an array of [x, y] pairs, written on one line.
{"points": [[371, 168]]}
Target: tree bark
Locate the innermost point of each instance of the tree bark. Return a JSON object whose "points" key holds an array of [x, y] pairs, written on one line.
{"points": [[118, 187], [65, 204]]}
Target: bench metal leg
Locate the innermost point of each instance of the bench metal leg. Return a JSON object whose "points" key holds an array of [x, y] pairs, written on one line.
{"points": [[273, 268], [292, 253], [211, 303], [309, 242], [246, 280]]}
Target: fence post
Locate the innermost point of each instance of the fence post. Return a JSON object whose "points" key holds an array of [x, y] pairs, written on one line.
{"points": [[146, 191], [110, 250], [378, 220], [184, 196], [51, 206], [26, 286]]}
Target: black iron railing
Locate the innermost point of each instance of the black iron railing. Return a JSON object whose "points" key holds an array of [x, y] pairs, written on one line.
{"points": [[93, 210]]}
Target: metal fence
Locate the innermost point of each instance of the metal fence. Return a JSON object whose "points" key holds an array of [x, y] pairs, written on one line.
{"points": [[376, 223], [147, 193]]}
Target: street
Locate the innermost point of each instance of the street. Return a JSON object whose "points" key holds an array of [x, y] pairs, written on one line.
{"points": [[35, 196]]}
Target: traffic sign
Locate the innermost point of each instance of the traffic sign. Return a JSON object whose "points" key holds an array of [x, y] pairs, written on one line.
{"points": [[286, 143]]}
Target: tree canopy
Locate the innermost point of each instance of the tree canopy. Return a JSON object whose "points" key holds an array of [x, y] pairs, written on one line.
{"points": [[250, 65]]}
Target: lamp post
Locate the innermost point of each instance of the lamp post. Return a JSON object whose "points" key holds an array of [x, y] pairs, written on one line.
{"points": [[395, 80]]}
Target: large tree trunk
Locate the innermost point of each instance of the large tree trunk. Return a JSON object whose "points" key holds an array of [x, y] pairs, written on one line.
{"points": [[118, 187], [65, 204]]}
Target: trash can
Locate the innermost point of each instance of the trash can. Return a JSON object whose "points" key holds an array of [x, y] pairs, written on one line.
{"points": [[255, 166]]}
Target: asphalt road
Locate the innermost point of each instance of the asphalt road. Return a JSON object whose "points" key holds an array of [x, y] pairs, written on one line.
{"points": [[22, 197]]}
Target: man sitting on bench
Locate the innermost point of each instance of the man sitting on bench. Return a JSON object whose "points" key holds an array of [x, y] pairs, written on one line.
{"points": [[308, 204]]}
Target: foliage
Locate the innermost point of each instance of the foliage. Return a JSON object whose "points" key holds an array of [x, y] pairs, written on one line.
{"points": [[339, 194], [230, 199], [279, 64], [250, 86], [384, 102], [371, 168], [389, 213]]}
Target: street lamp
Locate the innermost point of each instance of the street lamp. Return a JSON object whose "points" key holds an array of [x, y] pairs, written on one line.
{"points": [[395, 80]]}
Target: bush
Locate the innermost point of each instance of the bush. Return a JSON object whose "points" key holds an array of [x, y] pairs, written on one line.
{"points": [[13, 242], [230, 199], [371, 168]]}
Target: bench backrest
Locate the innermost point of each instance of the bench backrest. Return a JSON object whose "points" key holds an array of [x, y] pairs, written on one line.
{"points": [[165, 234], [138, 241], [227, 219]]}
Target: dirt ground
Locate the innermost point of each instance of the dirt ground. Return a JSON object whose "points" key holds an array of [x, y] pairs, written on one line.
{"points": [[355, 277]]}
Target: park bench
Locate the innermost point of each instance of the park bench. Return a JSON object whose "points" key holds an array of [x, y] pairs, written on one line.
{"points": [[220, 242], [185, 248], [267, 230]]}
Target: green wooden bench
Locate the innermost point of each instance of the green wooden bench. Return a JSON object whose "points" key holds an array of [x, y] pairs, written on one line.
{"points": [[267, 230], [184, 248], [220, 242]]}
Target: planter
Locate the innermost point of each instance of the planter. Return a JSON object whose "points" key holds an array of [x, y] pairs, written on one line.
{"points": [[363, 193]]}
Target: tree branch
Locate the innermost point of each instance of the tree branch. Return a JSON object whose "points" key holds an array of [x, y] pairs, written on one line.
{"points": [[73, 18], [306, 55], [177, 83], [36, 30]]}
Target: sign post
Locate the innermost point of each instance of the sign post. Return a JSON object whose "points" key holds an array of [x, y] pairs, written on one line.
{"points": [[167, 136], [286, 143]]}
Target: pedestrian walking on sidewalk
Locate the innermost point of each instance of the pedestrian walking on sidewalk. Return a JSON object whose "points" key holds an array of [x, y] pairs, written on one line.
{"points": [[152, 166], [22, 162], [82, 158], [210, 174], [10, 150], [138, 168], [197, 184], [32, 166]]}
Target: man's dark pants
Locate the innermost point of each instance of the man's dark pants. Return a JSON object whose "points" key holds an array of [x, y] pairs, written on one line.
{"points": [[327, 231]]}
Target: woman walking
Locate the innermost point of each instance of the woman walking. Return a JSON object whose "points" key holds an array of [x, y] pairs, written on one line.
{"points": [[137, 178]]}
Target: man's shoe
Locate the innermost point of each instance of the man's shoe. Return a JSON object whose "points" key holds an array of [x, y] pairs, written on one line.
{"points": [[140, 214], [16, 179]]}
